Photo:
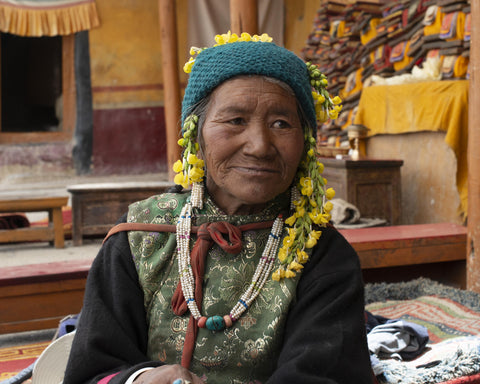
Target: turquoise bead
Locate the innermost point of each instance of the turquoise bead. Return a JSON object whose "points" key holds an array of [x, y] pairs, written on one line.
{"points": [[215, 323]]}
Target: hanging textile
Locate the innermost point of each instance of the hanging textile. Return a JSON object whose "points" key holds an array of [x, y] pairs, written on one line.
{"points": [[47, 17], [208, 18]]}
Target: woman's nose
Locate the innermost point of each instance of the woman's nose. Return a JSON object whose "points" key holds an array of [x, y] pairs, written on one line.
{"points": [[258, 141]]}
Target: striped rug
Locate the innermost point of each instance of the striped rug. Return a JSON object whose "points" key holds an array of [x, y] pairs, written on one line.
{"points": [[443, 317]]}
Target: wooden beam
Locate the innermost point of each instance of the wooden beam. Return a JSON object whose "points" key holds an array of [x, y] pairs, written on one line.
{"points": [[244, 16], [473, 156], [171, 83]]}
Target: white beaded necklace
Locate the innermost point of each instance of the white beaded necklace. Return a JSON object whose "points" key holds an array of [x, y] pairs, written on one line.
{"points": [[264, 268]]}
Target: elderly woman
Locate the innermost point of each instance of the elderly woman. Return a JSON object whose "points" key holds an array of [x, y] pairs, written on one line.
{"points": [[239, 279]]}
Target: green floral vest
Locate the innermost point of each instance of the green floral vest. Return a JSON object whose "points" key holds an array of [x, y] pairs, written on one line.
{"points": [[245, 353]]}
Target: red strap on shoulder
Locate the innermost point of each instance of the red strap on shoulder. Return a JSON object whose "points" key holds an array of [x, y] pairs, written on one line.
{"points": [[140, 227]]}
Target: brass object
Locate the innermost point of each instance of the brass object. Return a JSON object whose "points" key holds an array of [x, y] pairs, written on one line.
{"points": [[356, 137]]}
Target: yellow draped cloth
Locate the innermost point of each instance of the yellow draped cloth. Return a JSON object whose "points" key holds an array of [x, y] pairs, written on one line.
{"points": [[425, 106], [47, 17]]}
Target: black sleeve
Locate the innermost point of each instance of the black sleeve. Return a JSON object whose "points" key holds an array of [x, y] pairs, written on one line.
{"points": [[325, 337], [111, 336]]}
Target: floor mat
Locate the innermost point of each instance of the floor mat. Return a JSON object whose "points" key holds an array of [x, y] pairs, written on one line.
{"points": [[16, 358]]}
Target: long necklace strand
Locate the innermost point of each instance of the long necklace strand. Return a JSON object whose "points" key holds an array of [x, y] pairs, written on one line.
{"points": [[262, 272]]}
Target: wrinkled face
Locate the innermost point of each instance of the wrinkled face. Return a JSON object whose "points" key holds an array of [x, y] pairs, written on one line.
{"points": [[252, 143]]}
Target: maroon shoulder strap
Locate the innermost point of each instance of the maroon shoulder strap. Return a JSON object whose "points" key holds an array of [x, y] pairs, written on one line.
{"points": [[147, 227]]}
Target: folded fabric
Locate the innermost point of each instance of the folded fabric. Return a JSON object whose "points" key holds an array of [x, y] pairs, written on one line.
{"points": [[400, 338], [344, 213], [13, 221]]}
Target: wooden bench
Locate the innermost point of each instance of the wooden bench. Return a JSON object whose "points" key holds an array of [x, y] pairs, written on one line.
{"points": [[52, 232], [403, 252], [38, 296], [97, 207]]}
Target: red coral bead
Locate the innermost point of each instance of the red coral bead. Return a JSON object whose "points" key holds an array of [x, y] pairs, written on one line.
{"points": [[228, 321], [202, 321]]}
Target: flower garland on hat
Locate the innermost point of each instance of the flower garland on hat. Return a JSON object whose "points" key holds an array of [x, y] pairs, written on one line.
{"points": [[309, 194]]}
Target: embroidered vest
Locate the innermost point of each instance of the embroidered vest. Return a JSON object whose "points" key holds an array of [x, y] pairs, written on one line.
{"points": [[247, 352]]}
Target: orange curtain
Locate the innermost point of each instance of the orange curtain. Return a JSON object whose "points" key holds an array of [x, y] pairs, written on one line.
{"points": [[47, 17]]}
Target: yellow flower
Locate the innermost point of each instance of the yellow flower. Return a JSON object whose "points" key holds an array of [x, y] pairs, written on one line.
{"points": [[310, 243], [195, 51], [311, 152], [292, 232], [288, 241], [319, 98], [178, 166], [313, 236], [299, 203], [192, 159], [278, 274], [330, 193], [313, 203], [306, 183], [336, 100], [181, 179], [322, 115], [320, 167], [195, 174], [302, 256], [333, 114], [300, 212], [315, 216], [222, 39], [295, 266], [291, 220], [245, 37], [282, 254], [187, 68], [328, 206], [324, 218], [289, 273], [181, 142], [265, 38]]}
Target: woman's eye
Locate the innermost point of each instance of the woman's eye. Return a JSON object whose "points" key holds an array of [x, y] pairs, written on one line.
{"points": [[236, 121], [281, 124]]}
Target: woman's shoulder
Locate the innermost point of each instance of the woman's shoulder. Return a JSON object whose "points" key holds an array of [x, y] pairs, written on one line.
{"points": [[160, 209], [333, 253]]}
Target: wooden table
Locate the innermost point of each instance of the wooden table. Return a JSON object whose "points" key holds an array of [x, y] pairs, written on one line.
{"points": [[52, 232], [373, 186], [97, 207]]}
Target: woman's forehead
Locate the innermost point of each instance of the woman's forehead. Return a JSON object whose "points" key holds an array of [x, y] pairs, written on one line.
{"points": [[245, 92]]}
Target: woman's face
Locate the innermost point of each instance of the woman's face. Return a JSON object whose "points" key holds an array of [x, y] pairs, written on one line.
{"points": [[252, 143]]}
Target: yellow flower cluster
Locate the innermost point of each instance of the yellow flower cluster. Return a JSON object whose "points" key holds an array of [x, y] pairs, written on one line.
{"points": [[312, 210], [326, 107], [230, 37], [225, 38], [190, 169]]}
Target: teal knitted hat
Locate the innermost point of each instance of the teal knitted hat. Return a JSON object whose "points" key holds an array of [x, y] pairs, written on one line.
{"points": [[215, 65]]}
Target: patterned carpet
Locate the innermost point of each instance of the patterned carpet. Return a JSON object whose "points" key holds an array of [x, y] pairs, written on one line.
{"points": [[16, 358], [452, 318], [443, 317]]}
